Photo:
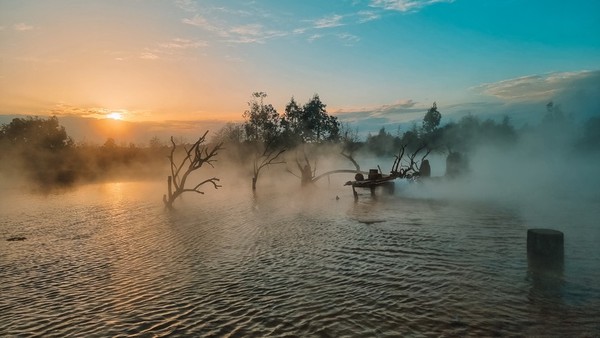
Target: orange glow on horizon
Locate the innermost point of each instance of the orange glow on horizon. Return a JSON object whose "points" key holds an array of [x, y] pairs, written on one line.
{"points": [[113, 128], [115, 116]]}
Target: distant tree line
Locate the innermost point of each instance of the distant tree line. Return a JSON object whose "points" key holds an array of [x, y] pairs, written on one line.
{"points": [[40, 148]]}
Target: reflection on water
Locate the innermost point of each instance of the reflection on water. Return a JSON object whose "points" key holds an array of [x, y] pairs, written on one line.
{"points": [[110, 260]]}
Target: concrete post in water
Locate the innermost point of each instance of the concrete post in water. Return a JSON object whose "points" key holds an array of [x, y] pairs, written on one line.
{"points": [[545, 243], [545, 258], [425, 169]]}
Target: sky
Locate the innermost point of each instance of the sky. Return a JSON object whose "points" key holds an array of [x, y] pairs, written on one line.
{"points": [[178, 65]]}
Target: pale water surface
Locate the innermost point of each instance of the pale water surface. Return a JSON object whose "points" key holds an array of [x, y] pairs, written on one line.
{"points": [[109, 260]]}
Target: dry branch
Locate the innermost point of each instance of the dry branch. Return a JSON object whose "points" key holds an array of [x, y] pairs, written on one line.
{"points": [[194, 158]]}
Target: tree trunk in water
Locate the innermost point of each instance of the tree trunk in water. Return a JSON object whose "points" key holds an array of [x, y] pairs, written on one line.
{"points": [[253, 183], [168, 200]]}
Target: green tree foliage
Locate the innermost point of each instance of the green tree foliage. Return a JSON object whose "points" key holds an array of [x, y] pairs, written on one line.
{"points": [[432, 119], [293, 124], [470, 132], [310, 123], [411, 138], [39, 149], [262, 120], [263, 134], [35, 132], [381, 144]]}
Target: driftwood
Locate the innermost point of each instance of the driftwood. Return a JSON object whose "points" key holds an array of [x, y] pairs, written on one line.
{"points": [[195, 157]]}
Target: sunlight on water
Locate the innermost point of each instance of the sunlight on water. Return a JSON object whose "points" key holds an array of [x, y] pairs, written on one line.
{"points": [[108, 259]]}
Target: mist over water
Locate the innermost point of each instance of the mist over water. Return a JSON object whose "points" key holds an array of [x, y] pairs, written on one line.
{"points": [[440, 256], [108, 259]]}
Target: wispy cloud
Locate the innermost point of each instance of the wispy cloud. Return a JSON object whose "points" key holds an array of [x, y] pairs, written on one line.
{"points": [[253, 33], [21, 27], [64, 109], [300, 30], [187, 5], [534, 86], [329, 21], [200, 21], [252, 30], [179, 43], [366, 16], [234, 59], [348, 39], [248, 33], [314, 37], [405, 5], [212, 20], [149, 56]]}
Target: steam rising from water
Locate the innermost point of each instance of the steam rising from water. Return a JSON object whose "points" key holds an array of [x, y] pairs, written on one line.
{"points": [[440, 257], [107, 260]]}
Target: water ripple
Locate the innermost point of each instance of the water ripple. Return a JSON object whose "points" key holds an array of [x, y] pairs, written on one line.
{"points": [[107, 262]]}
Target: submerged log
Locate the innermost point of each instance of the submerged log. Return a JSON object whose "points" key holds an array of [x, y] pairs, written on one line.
{"points": [[16, 238]]}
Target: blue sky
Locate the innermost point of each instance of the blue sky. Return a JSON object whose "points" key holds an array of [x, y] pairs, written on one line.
{"points": [[191, 60]]}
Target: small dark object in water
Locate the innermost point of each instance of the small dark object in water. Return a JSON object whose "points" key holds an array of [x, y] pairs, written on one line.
{"points": [[16, 238], [546, 243], [425, 170], [374, 174], [371, 221], [337, 198]]}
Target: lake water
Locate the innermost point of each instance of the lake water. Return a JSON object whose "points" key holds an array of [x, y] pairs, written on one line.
{"points": [[109, 260]]}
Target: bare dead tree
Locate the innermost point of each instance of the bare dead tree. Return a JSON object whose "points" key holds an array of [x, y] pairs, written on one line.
{"points": [[308, 173], [410, 166], [269, 155], [306, 170], [195, 157], [351, 159]]}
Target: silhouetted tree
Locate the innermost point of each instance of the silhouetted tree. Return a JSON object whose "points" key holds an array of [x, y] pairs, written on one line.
{"points": [[319, 126], [36, 132], [263, 132], [194, 158], [309, 124], [230, 133], [470, 132], [410, 139], [269, 155], [590, 138], [381, 144], [293, 124], [407, 164], [262, 120], [39, 148], [350, 145], [432, 119]]}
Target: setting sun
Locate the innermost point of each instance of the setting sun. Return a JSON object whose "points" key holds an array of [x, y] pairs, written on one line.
{"points": [[115, 116]]}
